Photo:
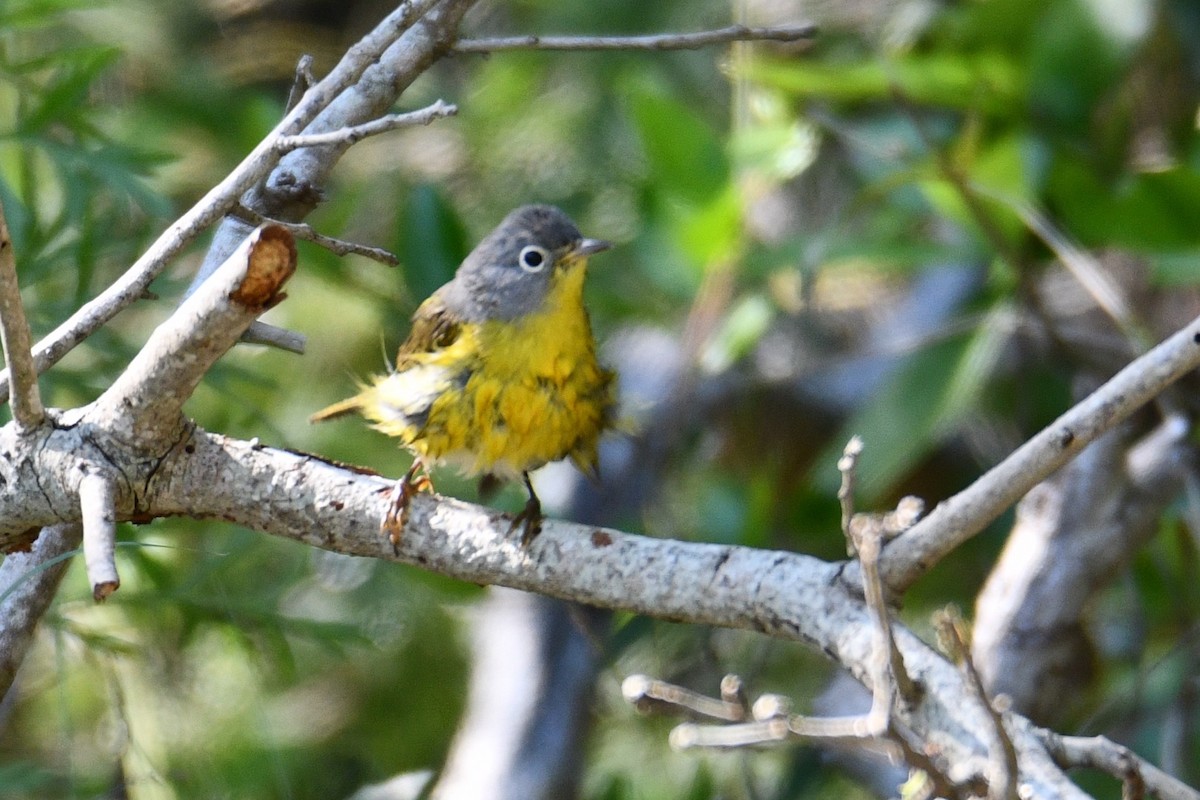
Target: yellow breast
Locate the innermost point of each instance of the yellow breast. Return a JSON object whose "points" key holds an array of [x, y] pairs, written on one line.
{"points": [[510, 396]]}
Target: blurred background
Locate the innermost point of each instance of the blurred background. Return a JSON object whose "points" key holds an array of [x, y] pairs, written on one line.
{"points": [[859, 235]]}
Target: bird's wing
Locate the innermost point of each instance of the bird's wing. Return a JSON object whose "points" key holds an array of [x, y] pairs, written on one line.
{"points": [[435, 327]]}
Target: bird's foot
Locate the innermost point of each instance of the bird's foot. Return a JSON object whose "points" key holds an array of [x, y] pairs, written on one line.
{"points": [[401, 496], [529, 520]]}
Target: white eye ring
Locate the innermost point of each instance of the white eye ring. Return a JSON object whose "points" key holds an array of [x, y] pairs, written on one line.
{"points": [[533, 258]]}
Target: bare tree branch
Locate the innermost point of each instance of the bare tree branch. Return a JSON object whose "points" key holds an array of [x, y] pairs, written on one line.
{"points": [[301, 497], [666, 41], [264, 333], [15, 336], [1073, 535], [306, 233], [353, 134], [847, 468], [217, 202], [780, 594], [965, 514], [1100, 752], [97, 508], [887, 667], [144, 406], [1003, 769], [28, 583], [650, 694], [293, 187]]}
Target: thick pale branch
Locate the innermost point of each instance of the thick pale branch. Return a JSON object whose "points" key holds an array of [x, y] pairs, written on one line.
{"points": [[14, 334], [28, 583], [214, 205], [781, 594], [144, 405], [1073, 535], [959, 518], [1099, 752], [97, 507], [666, 41], [294, 185]]}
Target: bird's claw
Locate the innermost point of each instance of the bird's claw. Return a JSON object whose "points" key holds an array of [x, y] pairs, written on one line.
{"points": [[529, 520], [401, 497]]}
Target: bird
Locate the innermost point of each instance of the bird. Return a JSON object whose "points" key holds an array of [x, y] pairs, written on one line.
{"points": [[499, 373]]}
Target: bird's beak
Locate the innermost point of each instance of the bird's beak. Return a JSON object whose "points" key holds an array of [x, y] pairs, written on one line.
{"points": [[586, 247]]}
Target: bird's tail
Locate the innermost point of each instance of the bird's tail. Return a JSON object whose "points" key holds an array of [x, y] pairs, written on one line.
{"points": [[347, 406]]}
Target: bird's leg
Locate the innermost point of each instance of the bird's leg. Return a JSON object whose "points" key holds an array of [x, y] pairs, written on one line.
{"points": [[402, 494], [530, 518]]}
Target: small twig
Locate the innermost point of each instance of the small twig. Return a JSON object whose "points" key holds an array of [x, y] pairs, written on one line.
{"points": [[27, 409], [648, 694], [864, 535], [776, 729], [265, 333], [1002, 761], [306, 232], [97, 508], [355, 133], [1107, 295], [1101, 753], [303, 81], [669, 41], [908, 511], [847, 465], [888, 663], [746, 734], [733, 692]]}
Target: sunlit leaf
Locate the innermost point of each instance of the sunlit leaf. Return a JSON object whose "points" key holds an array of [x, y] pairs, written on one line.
{"points": [[685, 155], [930, 392]]}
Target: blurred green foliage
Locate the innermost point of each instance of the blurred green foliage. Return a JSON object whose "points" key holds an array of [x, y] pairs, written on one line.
{"points": [[778, 201]]}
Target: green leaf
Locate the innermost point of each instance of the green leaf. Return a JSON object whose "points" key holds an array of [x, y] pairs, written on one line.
{"points": [[928, 395], [997, 168], [433, 241], [1175, 268], [685, 154], [26, 779], [65, 97], [1150, 212], [712, 233], [1073, 66], [988, 82], [738, 334], [37, 13]]}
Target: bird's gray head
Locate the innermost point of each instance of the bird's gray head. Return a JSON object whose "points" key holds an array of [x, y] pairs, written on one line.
{"points": [[509, 272]]}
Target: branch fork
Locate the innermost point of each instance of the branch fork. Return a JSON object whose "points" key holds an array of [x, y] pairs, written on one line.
{"points": [[98, 462]]}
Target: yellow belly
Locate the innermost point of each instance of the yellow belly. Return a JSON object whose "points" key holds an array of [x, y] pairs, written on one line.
{"points": [[507, 396]]}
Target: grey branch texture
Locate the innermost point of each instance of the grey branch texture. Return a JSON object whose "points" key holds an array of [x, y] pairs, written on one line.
{"points": [[957, 519], [671, 41], [221, 198], [154, 462]]}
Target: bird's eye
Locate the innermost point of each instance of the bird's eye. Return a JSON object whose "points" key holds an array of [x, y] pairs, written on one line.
{"points": [[533, 258]]}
